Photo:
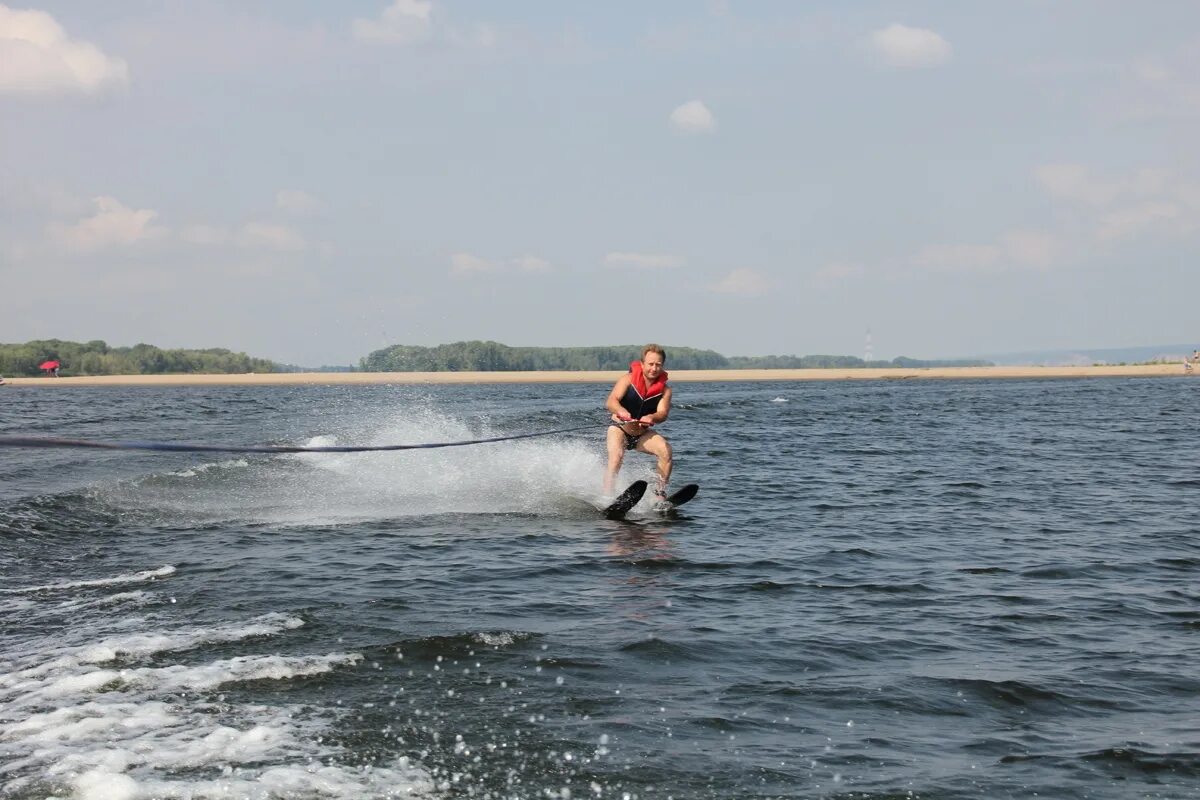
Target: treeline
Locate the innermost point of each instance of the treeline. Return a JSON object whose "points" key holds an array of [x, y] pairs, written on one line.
{"points": [[495, 357], [476, 356], [97, 358], [846, 362]]}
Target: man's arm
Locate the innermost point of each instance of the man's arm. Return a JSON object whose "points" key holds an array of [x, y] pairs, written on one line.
{"points": [[613, 404], [664, 410]]}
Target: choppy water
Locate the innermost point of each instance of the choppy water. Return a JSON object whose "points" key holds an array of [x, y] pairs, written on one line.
{"points": [[885, 589]]}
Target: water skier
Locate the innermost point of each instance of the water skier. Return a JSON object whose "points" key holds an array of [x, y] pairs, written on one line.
{"points": [[638, 400]]}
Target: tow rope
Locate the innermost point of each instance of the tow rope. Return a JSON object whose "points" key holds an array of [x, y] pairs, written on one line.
{"points": [[171, 447]]}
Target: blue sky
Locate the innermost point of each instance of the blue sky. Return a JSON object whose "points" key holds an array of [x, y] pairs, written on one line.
{"points": [[312, 181]]}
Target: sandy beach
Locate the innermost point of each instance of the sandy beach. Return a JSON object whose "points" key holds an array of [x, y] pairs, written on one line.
{"points": [[680, 376]]}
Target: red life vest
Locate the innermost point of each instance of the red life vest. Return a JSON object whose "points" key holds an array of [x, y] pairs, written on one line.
{"points": [[640, 399]]}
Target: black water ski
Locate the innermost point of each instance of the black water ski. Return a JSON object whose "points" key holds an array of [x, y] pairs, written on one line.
{"points": [[627, 500], [678, 498]]}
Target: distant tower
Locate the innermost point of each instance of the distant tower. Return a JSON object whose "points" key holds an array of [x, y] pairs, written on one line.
{"points": [[868, 353]]}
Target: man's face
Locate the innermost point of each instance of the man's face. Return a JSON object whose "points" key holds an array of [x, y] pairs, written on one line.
{"points": [[652, 365]]}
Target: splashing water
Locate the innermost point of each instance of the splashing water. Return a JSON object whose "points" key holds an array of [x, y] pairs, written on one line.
{"points": [[539, 477]]}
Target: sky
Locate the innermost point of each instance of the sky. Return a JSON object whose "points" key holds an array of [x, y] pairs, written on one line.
{"points": [[310, 181]]}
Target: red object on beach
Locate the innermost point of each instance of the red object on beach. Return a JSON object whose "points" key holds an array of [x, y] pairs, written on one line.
{"points": [[49, 365]]}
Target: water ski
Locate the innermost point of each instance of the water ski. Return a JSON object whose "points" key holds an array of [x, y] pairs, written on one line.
{"points": [[627, 500], [676, 499]]}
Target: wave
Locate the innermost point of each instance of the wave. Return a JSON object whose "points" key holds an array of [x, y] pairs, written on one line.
{"points": [[137, 577], [74, 724]]}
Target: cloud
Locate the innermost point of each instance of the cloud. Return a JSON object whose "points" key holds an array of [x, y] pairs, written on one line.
{"points": [[250, 236], [1079, 183], [1151, 69], [837, 272], [1018, 248], [745, 282], [39, 58], [1032, 248], [1144, 202], [267, 236], [462, 264], [1074, 182], [113, 225], [403, 22], [1095, 213], [1162, 86], [1133, 221], [906, 48], [295, 201], [693, 117], [532, 264], [642, 260]]}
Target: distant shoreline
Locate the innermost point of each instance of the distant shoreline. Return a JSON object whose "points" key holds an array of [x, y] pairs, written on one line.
{"points": [[679, 376]]}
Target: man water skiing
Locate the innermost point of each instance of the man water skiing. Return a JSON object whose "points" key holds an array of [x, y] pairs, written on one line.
{"points": [[638, 400]]}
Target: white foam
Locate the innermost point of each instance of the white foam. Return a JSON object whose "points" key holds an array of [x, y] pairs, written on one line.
{"points": [[11, 607], [134, 598], [25, 679], [200, 469], [137, 577], [321, 441], [542, 476], [153, 730], [98, 784], [397, 780], [131, 749], [233, 670], [525, 476], [144, 644], [501, 639]]}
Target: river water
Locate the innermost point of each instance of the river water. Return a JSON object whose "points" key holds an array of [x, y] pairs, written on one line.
{"points": [[885, 589]]}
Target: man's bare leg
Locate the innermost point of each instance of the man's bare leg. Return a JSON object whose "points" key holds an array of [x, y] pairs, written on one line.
{"points": [[660, 448], [616, 453]]}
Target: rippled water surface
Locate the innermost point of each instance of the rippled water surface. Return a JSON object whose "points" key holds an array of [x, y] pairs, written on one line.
{"points": [[888, 589]]}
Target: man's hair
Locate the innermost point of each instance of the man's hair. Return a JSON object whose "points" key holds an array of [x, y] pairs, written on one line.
{"points": [[654, 348]]}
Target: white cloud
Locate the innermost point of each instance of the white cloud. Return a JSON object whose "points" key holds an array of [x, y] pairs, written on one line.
{"points": [[1078, 182], [295, 201], [462, 264], [112, 225], [403, 22], [905, 47], [1095, 212], [532, 264], [1032, 248], [271, 237], [837, 272], [693, 117], [1074, 182], [1135, 220], [1145, 202], [746, 282], [642, 260], [39, 58], [1162, 86], [1151, 69], [1015, 249]]}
